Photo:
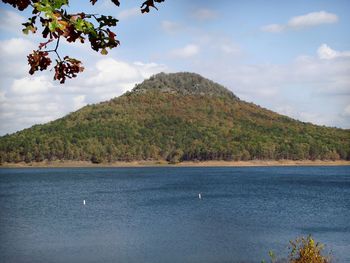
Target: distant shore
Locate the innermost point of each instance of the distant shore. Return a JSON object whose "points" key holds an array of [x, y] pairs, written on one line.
{"points": [[251, 163]]}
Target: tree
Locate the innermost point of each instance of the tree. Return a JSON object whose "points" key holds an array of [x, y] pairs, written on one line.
{"points": [[57, 23], [175, 156]]}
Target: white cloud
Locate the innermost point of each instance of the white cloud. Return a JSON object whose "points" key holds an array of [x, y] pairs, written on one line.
{"points": [[11, 21], [79, 102], [204, 14], [148, 69], [218, 45], [112, 77], [15, 47], [170, 27], [38, 99], [110, 70], [308, 20], [305, 116], [28, 101], [273, 28], [128, 13], [325, 52], [30, 86], [14, 53], [315, 89], [313, 19], [229, 48], [188, 51], [346, 111]]}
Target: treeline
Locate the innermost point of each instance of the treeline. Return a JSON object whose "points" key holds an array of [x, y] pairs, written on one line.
{"points": [[155, 125], [107, 150]]}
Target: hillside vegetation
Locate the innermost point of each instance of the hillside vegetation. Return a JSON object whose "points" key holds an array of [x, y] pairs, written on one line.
{"points": [[175, 117]]}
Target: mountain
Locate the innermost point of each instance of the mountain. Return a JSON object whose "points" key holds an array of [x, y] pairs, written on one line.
{"points": [[175, 117]]}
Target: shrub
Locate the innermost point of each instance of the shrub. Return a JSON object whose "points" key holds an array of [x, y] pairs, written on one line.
{"points": [[306, 250], [303, 250]]}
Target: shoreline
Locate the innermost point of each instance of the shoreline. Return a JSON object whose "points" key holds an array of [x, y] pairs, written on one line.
{"points": [[252, 163]]}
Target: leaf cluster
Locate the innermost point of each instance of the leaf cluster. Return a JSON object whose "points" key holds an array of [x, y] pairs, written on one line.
{"points": [[19, 4], [56, 22], [67, 68]]}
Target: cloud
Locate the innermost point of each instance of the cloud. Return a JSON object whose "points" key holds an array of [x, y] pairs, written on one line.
{"points": [[30, 86], [15, 47], [148, 69], [308, 20], [188, 51], [217, 45], [346, 111], [204, 14], [323, 118], [14, 53], [29, 100], [325, 52], [111, 70], [313, 19], [110, 78], [11, 21], [273, 28], [315, 89], [230, 48], [129, 13], [79, 102], [170, 27]]}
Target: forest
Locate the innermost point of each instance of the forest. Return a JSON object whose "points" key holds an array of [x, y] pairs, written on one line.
{"points": [[175, 117]]}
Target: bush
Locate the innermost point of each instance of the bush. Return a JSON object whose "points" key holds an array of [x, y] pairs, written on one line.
{"points": [[306, 250], [303, 250]]}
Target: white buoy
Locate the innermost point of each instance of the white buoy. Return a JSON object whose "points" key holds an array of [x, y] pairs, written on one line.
{"points": [[199, 196], [84, 202]]}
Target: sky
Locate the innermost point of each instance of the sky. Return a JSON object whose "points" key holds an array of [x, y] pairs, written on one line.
{"points": [[292, 57]]}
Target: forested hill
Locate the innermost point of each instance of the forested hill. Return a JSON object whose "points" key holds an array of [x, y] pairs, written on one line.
{"points": [[175, 117]]}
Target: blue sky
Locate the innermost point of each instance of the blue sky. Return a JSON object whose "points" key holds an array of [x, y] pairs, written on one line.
{"points": [[292, 57]]}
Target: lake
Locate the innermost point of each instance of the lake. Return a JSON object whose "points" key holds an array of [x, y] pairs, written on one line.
{"points": [[154, 214]]}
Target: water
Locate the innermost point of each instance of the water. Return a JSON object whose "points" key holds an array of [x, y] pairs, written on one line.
{"points": [[154, 214]]}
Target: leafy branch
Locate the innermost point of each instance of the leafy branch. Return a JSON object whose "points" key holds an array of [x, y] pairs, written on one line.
{"points": [[57, 23]]}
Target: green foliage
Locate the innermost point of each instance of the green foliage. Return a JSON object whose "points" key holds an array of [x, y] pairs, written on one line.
{"points": [[175, 156], [175, 117]]}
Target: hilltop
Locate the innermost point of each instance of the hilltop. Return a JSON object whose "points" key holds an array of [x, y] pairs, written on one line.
{"points": [[183, 83], [175, 117]]}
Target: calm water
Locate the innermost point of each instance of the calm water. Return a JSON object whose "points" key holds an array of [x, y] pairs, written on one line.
{"points": [[154, 214]]}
